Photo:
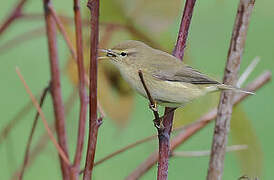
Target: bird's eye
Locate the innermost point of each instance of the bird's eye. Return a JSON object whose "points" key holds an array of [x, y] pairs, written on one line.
{"points": [[123, 53]]}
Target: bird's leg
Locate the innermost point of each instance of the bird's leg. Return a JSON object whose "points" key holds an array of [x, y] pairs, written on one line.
{"points": [[158, 123], [153, 106]]}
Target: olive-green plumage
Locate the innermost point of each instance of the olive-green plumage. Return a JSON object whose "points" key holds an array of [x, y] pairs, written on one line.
{"points": [[171, 82]]}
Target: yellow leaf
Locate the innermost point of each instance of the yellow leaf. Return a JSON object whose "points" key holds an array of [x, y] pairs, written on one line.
{"points": [[243, 133]]}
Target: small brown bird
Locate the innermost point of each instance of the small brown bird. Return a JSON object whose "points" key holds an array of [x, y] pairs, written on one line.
{"points": [[171, 82]]}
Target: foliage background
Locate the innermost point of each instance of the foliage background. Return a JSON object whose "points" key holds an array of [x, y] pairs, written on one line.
{"points": [[208, 44]]}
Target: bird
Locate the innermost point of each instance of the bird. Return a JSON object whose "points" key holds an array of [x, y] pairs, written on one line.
{"points": [[171, 82]]}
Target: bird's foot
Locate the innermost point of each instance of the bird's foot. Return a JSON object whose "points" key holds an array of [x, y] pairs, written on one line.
{"points": [[153, 107], [158, 123]]}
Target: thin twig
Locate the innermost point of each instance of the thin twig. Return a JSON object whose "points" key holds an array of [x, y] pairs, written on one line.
{"points": [[132, 145], [43, 117], [82, 91], [38, 148], [128, 26], [206, 153], [44, 138], [63, 31], [198, 125], [15, 13], [247, 71], [15, 121], [22, 38], [56, 87], [34, 124], [94, 122], [222, 126]]}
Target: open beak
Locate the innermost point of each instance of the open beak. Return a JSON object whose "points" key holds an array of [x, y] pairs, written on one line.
{"points": [[109, 52]]}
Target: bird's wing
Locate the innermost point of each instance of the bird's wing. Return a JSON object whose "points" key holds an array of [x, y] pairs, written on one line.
{"points": [[183, 73], [168, 68]]}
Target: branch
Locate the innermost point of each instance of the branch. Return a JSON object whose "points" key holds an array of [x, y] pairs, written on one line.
{"points": [[63, 31], [248, 71], [22, 38], [82, 91], [42, 115], [222, 125], [206, 153], [124, 149], [15, 13], [38, 148], [132, 145], [34, 124], [44, 138], [179, 49], [56, 87], [94, 123], [164, 144], [75, 57], [14, 121], [128, 26], [185, 134]]}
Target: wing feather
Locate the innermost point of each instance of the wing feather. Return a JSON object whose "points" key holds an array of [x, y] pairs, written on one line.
{"points": [[168, 68], [184, 74]]}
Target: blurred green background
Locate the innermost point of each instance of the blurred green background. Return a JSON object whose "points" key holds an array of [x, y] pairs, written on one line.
{"points": [[208, 43]]}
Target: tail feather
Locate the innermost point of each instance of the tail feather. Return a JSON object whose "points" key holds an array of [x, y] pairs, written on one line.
{"points": [[235, 89]]}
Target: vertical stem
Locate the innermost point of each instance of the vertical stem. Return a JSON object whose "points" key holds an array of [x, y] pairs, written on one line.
{"points": [[179, 49], [234, 58], [164, 135], [94, 123], [56, 87], [63, 32], [82, 90], [164, 144]]}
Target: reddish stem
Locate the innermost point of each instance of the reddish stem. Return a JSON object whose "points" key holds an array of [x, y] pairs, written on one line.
{"points": [[94, 123], [56, 87], [82, 90], [184, 27], [22, 38], [34, 124], [62, 30], [15, 13], [44, 138], [15, 121], [164, 135]]}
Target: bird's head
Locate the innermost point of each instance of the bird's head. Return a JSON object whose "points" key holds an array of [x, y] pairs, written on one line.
{"points": [[128, 52]]}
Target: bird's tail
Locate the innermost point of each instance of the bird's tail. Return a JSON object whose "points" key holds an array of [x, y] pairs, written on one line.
{"points": [[235, 89]]}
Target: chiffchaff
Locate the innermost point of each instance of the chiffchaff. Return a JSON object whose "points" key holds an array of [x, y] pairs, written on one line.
{"points": [[170, 82]]}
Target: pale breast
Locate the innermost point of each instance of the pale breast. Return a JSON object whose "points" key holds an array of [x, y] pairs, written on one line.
{"points": [[168, 93]]}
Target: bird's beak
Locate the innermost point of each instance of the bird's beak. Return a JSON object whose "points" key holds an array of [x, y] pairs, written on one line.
{"points": [[109, 52]]}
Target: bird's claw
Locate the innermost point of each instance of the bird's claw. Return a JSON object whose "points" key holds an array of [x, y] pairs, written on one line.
{"points": [[153, 107], [158, 123]]}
